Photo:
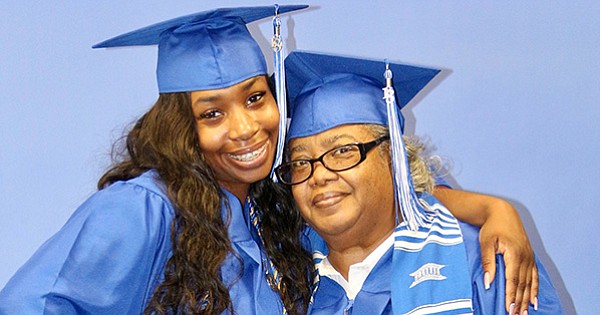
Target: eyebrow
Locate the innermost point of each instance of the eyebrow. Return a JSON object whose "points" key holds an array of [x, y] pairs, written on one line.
{"points": [[207, 99], [325, 142], [298, 148], [332, 140]]}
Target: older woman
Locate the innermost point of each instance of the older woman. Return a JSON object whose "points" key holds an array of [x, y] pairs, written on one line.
{"points": [[392, 248]]}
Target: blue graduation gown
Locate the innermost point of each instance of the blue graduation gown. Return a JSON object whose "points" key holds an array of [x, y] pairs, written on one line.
{"points": [[375, 295], [111, 254]]}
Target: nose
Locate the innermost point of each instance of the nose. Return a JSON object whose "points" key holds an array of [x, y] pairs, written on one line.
{"points": [[243, 124], [321, 175]]}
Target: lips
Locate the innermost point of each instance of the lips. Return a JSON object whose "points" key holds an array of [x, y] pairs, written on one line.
{"points": [[249, 156], [328, 199]]}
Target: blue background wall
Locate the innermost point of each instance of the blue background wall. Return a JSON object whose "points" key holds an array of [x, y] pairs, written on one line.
{"points": [[515, 111]]}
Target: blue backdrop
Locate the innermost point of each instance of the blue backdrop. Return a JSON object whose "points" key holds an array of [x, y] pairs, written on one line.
{"points": [[515, 111]]}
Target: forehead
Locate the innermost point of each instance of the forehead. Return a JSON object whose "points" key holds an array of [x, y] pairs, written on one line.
{"points": [[339, 135], [236, 89]]}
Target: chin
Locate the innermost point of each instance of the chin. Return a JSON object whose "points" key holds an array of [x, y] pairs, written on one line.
{"points": [[257, 176], [331, 226]]}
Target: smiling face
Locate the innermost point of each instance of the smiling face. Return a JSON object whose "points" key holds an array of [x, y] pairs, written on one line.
{"points": [[237, 130], [355, 206]]}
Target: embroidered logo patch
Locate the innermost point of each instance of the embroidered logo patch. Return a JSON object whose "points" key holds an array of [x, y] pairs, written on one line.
{"points": [[429, 271]]}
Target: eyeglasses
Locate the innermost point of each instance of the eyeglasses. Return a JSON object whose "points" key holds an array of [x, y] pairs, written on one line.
{"points": [[337, 159]]}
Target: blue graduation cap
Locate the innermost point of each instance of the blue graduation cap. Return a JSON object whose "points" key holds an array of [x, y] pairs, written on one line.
{"points": [[343, 90], [206, 50], [326, 91]]}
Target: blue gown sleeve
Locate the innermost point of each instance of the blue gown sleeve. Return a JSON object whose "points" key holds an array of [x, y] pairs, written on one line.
{"points": [[107, 259], [441, 181]]}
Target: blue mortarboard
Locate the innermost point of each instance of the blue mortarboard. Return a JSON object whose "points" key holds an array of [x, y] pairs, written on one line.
{"points": [[326, 91], [203, 51]]}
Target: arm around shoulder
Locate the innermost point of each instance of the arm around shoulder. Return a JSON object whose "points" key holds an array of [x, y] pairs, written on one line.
{"points": [[502, 232], [490, 300]]}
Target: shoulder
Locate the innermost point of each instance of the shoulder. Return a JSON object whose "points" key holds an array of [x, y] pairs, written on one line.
{"points": [[147, 185], [125, 211], [314, 244], [136, 209], [140, 196], [470, 235], [116, 242]]}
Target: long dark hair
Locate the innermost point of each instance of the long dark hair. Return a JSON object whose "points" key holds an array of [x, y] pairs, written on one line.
{"points": [[282, 227], [165, 139]]}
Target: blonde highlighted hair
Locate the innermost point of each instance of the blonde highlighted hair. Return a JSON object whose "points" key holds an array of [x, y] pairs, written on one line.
{"points": [[421, 168]]}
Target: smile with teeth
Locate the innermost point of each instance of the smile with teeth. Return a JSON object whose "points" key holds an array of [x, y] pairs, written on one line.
{"points": [[250, 156]]}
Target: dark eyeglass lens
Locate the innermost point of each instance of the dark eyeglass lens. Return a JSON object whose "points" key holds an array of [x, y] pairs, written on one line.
{"points": [[299, 170], [343, 157]]}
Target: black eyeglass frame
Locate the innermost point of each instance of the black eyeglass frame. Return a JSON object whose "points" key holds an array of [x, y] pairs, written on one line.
{"points": [[363, 148]]}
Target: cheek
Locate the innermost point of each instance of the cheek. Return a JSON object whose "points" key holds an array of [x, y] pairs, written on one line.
{"points": [[296, 194], [269, 117], [299, 195], [382, 188], [375, 181], [210, 139]]}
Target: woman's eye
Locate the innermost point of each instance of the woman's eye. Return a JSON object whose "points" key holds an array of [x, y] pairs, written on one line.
{"points": [[255, 98], [344, 151], [211, 114], [299, 164]]}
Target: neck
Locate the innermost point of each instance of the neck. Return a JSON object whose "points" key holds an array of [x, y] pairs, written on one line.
{"points": [[344, 253], [239, 190]]}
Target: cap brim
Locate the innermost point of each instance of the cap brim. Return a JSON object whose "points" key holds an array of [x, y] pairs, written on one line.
{"points": [[150, 35]]}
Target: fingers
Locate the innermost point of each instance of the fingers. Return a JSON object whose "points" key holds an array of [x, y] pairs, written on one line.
{"points": [[512, 282], [521, 284], [503, 233], [525, 301], [488, 261], [534, 288], [523, 288]]}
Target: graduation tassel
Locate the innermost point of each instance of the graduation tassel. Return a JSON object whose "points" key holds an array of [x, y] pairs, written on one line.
{"points": [[416, 242], [273, 276], [279, 69], [405, 195]]}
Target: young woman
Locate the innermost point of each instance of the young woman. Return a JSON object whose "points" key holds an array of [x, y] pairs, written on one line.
{"points": [[174, 227], [168, 231]]}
